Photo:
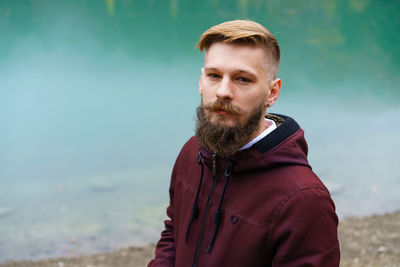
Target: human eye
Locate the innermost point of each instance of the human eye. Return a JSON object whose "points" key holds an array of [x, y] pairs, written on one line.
{"points": [[244, 79], [213, 75]]}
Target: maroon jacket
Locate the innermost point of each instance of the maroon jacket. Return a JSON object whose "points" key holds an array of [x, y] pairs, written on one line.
{"points": [[262, 207]]}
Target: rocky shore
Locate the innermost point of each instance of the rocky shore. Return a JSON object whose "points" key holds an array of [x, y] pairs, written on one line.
{"points": [[365, 241]]}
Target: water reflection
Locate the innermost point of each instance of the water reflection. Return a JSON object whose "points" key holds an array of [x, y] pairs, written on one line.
{"points": [[110, 6]]}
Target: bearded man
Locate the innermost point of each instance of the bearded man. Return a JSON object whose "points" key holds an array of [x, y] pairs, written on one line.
{"points": [[242, 192]]}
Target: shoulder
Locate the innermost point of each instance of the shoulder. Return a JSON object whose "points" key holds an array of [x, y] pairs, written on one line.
{"points": [[190, 145], [306, 198], [307, 201], [304, 208], [190, 148], [304, 178], [293, 179], [188, 152], [300, 191]]}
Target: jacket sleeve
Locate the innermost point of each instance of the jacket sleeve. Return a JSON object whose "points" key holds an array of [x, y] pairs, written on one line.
{"points": [[165, 248], [305, 231]]}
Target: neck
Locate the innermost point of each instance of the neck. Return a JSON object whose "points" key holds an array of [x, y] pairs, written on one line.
{"points": [[261, 128]]}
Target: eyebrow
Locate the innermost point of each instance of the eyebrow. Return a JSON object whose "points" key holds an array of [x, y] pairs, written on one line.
{"points": [[239, 71]]}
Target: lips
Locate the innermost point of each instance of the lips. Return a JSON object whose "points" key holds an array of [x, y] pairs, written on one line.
{"points": [[221, 111]]}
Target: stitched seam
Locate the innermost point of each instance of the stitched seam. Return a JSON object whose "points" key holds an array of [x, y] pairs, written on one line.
{"points": [[283, 203], [230, 211]]}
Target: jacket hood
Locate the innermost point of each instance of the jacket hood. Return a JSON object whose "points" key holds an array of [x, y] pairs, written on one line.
{"points": [[285, 145]]}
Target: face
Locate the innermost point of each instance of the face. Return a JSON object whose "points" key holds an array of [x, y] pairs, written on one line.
{"points": [[234, 82]]}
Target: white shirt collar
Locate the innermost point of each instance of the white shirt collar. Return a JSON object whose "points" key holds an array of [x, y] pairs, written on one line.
{"points": [[271, 125]]}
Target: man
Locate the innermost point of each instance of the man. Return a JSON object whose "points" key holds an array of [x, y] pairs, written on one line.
{"points": [[242, 192]]}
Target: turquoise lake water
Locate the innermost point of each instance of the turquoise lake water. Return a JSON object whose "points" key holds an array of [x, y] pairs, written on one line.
{"points": [[97, 98]]}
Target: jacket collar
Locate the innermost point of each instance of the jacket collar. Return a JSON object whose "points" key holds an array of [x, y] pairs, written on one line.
{"points": [[285, 145]]}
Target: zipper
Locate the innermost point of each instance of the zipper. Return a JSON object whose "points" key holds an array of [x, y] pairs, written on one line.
{"points": [[203, 221], [214, 164]]}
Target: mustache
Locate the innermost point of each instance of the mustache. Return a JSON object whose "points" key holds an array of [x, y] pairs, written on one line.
{"points": [[225, 106]]}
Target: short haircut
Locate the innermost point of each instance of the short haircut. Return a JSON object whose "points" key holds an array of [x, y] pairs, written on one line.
{"points": [[243, 32]]}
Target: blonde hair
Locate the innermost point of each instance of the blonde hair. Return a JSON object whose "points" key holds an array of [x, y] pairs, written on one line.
{"points": [[243, 32]]}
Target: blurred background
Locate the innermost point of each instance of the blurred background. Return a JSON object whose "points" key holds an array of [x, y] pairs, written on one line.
{"points": [[97, 98]]}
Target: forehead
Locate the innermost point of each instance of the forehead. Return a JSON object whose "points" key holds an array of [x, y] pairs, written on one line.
{"points": [[233, 57]]}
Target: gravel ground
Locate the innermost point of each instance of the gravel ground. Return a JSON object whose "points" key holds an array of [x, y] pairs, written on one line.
{"points": [[365, 241], [371, 241]]}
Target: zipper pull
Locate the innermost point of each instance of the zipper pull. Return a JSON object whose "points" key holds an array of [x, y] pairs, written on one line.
{"points": [[214, 166]]}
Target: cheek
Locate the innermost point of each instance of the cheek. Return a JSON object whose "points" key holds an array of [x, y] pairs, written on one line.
{"points": [[250, 101], [207, 96]]}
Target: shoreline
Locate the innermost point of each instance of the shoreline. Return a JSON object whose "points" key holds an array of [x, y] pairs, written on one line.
{"points": [[372, 240]]}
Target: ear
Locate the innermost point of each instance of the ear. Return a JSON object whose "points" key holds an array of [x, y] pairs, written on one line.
{"points": [[274, 91], [200, 81]]}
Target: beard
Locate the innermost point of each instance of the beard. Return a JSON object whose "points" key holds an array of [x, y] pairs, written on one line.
{"points": [[226, 135]]}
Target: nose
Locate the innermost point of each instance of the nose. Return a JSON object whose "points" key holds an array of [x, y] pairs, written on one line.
{"points": [[224, 91]]}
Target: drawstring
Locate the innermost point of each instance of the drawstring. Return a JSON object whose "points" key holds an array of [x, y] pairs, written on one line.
{"points": [[218, 214], [195, 209]]}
